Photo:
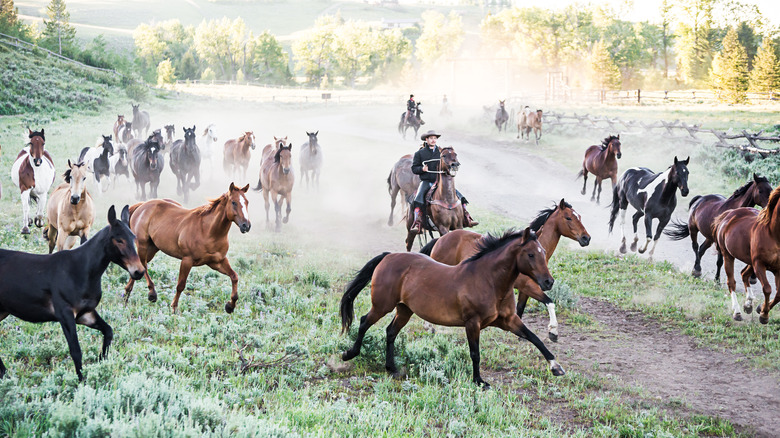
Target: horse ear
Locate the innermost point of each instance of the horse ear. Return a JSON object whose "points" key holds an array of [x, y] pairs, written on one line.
{"points": [[755, 177], [687, 160], [318, 131], [111, 216], [126, 215], [66, 175], [245, 188], [232, 187], [675, 160], [562, 204], [69, 165]]}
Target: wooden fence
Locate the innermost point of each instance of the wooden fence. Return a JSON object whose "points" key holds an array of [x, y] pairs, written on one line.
{"points": [[24, 45]]}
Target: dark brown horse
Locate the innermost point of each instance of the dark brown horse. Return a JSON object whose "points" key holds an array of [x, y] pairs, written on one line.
{"points": [[444, 208], [197, 237], [277, 179], [120, 122], [236, 154], [549, 224], [401, 179], [502, 117], [474, 294], [704, 209], [601, 161]]}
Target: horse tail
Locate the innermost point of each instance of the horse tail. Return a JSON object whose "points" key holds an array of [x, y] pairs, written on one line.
{"points": [[614, 207], [679, 230], [389, 182], [580, 174], [82, 154], [353, 289], [259, 185], [428, 248], [693, 201], [133, 208]]}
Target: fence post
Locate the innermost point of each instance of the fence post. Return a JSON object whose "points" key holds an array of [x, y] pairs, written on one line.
{"points": [[638, 95]]}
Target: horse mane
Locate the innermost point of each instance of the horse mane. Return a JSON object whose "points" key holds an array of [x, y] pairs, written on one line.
{"points": [[543, 215], [492, 243], [765, 215], [740, 191], [277, 155], [37, 134], [606, 141], [209, 208], [448, 148]]}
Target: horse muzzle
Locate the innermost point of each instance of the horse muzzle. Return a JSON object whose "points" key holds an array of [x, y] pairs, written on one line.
{"points": [[684, 191], [286, 170], [75, 199], [37, 162], [584, 240], [244, 227], [619, 155], [546, 283]]}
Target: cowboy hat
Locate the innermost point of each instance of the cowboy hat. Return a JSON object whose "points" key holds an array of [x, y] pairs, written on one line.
{"points": [[428, 134]]}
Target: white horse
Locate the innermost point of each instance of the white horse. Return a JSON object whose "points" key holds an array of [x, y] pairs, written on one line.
{"points": [[210, 151], [33, 172]]}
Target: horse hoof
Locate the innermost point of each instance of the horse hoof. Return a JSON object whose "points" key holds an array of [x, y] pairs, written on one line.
{"points": [[553, 336], [623, 248], [557, 370], [284, 221], [737, 317], [748, 309], [753, 279], [152, 297], [633, 248], [26, 230], [229, 307], [583, 192], [763, 319], [696, 272]]}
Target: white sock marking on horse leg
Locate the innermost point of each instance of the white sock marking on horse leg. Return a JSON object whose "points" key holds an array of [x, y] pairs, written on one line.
{"points": [[735, 303], [622, 223], [554, 364], [553, 326], [652, 250]]}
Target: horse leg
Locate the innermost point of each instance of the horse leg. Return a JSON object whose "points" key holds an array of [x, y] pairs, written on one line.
{"points": [[92, 320], [26, 211], [732, 285], [623, 230], [68, 323], [145, 253], [661, 225], [700, 253], [184, 272], [278, 210], [39, 218], [598, 196], [585, 180], [51, 234], [747, 271], [366, 321], [393, 194], [267, 206], [766, 287], [223, 267], [3, 369], [514, 324], [288, 198], [635, 220], [596, 182], [528, 288], [402, 315], [472, 335]]}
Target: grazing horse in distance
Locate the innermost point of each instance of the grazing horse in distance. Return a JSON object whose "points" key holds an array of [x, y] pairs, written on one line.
{"points": [[601, 161], [704, 209], [502, 117], [653, 195], [66, 286], [414, 122], [277, 179], [185, 163], [401, 179], [236, 154], [33, 172], [311, 160], [474, 294], [140, 121], [147, 164], [197, 237], [529, 120], [120, 122], [71, 211], [98, 162]]}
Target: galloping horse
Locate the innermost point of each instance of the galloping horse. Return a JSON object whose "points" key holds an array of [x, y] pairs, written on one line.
{"points": [[67, 288], [236, 154], [125, 133], [653, 195], [414, 122], [185, 163], [71, 211], [475, 294], [601, 161], [98, 163], [549, 225], [502, 117], [277, 179], [401, 179], [118, 163], [704, 209], [444, 207], [33, 172], [209, 150], [140, 121], [311, 159], [147, 165], [196, 237], [170, 131], [527, 121], [120, 122]]}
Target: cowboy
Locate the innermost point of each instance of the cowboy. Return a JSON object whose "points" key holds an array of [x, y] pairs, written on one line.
{"points": [[423, 166], [411, 105]]}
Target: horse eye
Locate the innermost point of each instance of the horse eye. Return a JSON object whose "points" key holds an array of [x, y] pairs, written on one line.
{"points": [[568, 218], [234, 203], [530, 255]]}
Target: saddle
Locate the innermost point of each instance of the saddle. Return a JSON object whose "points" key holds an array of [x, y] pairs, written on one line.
{"points": [[429, 200]]}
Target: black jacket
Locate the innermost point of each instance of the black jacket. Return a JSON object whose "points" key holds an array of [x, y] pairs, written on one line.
{"points": [[424, 154], [411, 105]]}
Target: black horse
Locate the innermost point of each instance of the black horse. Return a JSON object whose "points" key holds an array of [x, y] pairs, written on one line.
{"points": [[415, 121], [185, 163], [147, 165], [653, 195], [65, 286]]}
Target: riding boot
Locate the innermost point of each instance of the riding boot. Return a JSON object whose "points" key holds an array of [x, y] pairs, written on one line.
{"points": [[417, 224], [467, 220]]}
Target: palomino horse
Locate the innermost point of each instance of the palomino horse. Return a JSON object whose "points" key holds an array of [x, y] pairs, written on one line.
{"points": [[601, 161], [71, 211], [185, 163], [120, 122], [401, 179], [277, 179], [414, 122], [140, 121], [98, 163], [197, 237], [549, 225], [502, 117], [311, 160], [147, 164], [446, 210], [474, 294], [65, 286], [527, 121], [653, 195], [33, 172], [236, 154], [704, 209]]}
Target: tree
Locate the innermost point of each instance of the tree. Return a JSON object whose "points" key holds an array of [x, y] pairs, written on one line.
{"points": [[749, 40], [605, 74], [667, 36], [58, 34], [314, 51], [9, 17], [222, 44], [166, 74], [765, 75], [729, 73], [441, 37], [270, 62], [694, 45]]}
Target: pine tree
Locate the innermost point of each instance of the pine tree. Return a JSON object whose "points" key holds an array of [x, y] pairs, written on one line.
{"points": [[58, 33], [606, 74], [729, 73], [9, 15], [765, 76]]}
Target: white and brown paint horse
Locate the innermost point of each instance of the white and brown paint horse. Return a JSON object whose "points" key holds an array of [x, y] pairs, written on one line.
{"points": [[71, 211], [97, 160], [33, 172]]}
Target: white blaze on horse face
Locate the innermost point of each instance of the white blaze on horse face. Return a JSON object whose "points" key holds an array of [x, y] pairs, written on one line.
{"points": [[244, 210]]}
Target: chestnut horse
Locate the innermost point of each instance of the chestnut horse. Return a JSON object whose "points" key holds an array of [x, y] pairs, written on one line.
{"points": [[236, 154], [71, 211], [601, 161], [197, 237], [33, 172], [277, 179], [529, 120], [704, 209], [444, 207], [120, 122], [550, 224], [502, 117], [401, 179], [474, 294]]}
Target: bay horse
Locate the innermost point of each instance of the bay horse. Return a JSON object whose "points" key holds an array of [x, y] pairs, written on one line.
{"points": [[653, 195], [414, 122], [197, 237], [550, 224], [704, 209], [527, 121], [236, 154], [311, 160], [147, 164], [601, 161], [444, 208], [140, 121], [502, 117], [277, 179], [33, 172], [475, 294], [98, 163], [71, 211], [120, 122], [185, 163], [401, 179], [69, 290]]}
